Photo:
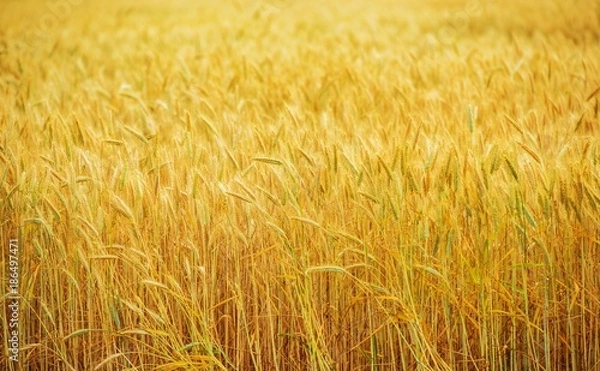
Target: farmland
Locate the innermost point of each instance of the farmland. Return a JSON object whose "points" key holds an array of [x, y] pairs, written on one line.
{"points": [[300, 185]]}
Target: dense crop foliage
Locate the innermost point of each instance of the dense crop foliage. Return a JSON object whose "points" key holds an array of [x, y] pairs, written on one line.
{"points": [[408, 185]]}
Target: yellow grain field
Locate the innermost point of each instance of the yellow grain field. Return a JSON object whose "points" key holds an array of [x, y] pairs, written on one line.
{"points": [[300, 185]]}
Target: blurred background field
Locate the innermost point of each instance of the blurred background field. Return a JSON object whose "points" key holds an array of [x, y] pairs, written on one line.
{"points": [[287, 185]]}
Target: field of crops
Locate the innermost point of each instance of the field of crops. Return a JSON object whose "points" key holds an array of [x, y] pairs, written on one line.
{"points": [[300, 185]]}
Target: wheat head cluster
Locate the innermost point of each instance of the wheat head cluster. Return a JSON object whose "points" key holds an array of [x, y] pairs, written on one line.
{"points": [[302, 185]]}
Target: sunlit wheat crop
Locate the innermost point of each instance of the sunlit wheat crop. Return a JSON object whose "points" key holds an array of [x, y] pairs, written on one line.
{"points": [[301, 185]]}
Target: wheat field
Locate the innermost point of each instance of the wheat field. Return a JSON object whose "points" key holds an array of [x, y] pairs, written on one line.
{"points": [[301, 185]]}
